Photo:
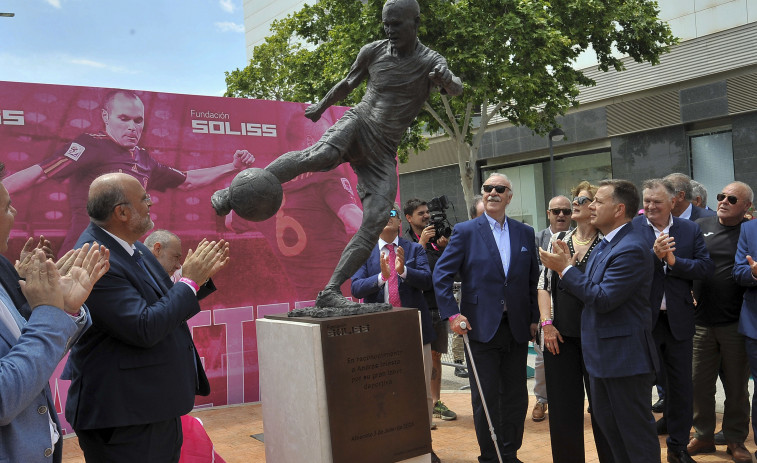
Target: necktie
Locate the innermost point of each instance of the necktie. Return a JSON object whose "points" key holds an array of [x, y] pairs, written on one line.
{"points": [[393, 282], [138, 257], [6, 305]]}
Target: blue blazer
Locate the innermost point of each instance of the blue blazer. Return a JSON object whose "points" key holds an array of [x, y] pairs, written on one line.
{"points": [[742, 274], [472, 253], [616, 323], [693, 262], [137, 364], [699, 212], [25, 399], [365, 283]]}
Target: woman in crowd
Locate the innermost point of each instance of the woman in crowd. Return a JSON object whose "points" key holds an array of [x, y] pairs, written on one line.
{"points": [[564, 368]]}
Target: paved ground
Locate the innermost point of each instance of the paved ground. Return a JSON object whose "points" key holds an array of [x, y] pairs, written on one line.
{"points": [[231, 429]]}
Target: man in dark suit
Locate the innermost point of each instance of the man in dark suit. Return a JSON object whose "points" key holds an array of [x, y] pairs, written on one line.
{"points": [[31, 348], [683, 205], [559, 211], [680, 256], [397, 272], [495, 257], [616, 323], [136, 371]]}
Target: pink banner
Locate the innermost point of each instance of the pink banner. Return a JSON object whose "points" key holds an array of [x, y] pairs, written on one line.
{"points": [[51, 140]]}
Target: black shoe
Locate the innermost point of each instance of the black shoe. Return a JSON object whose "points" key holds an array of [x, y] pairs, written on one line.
{"points": [[659, 406], [662, 428], [434, 458], [719, 438], [679, 456], [461, 372]]}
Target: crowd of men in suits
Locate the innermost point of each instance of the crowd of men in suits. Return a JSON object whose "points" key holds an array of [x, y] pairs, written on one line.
{"points": [[669, 294], [644, 319]]}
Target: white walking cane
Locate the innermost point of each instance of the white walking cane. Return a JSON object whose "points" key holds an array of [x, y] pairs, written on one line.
{"points": [[464, 326]]}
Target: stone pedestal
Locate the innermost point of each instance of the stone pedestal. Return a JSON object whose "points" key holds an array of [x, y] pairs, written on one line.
{"points": [[344, 389]]}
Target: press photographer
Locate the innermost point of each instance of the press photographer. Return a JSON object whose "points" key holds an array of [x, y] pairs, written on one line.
{"points": [[430, 228]]}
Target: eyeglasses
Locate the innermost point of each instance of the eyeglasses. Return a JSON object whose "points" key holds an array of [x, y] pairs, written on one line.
{"points": [[558, 210], [393, 213], [581, 200], [731, 199], [500, 188]]}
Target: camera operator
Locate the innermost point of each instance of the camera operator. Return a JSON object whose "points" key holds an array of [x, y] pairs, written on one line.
{"points": [[420, 231]]}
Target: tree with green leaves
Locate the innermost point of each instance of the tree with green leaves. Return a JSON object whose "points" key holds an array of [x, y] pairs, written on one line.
{"points": [[514, 57]]}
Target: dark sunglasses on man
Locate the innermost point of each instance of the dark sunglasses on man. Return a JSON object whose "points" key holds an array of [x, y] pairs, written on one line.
{"points": [[731, 199], [499, 188], [557, 211]]}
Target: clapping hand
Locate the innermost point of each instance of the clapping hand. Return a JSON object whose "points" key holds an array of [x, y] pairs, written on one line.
{"points": [[752, 265], [89, 264], [663, 247], [206, 260], [41, 286], [25, 257], [558, 259]]}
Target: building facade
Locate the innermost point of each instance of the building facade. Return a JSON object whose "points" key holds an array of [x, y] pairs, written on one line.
{"points": [[695, 112]]}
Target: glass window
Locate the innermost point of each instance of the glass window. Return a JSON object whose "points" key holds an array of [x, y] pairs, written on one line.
{"points": [[532, 183], [712, 161]]}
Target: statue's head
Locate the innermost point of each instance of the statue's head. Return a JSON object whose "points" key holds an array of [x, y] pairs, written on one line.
{"points": [[401, 19]]}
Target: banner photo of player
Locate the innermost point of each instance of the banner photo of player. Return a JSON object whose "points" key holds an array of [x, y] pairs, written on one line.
{"points": [[54, 140]]}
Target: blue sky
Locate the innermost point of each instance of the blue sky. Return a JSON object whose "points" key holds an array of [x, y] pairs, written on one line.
{"points": [[176, 46]]}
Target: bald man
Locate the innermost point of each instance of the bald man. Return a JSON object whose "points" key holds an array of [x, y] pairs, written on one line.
{"points": [[136, 371]]}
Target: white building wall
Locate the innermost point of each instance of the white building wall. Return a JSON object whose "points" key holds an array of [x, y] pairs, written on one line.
{"points": [[258, 16]]}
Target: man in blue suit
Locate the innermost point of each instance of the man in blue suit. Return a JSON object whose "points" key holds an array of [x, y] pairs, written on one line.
{"points": [[745, 274], [495, 257], [397, 272], [30, 350], [680, 256], [616, 322], [136, 370]]}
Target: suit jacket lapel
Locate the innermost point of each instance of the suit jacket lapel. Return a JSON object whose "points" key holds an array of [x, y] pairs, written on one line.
{"points": [[153, 266], [598, 260], [491, 246]]}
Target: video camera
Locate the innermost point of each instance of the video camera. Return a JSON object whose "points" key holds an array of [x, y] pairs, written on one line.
{"points": [[436, 208]]}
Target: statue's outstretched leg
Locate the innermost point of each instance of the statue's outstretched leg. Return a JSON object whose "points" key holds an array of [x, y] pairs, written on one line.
{"points": [[320, 157], [375, 216]]}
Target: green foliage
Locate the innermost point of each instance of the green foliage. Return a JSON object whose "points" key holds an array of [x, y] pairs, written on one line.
{"points": [[514, 52]]}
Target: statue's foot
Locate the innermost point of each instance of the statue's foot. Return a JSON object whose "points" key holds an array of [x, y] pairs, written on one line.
{"points": [[331, 303], [334, 299]]}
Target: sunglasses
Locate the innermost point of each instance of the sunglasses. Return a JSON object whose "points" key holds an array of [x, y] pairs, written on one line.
{"points": [[393, 213], [500, 188], [731, 199], [558, 210], [581, 200]]}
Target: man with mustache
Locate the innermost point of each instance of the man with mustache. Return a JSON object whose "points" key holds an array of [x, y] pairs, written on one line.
{"points": [[495, 257]]}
